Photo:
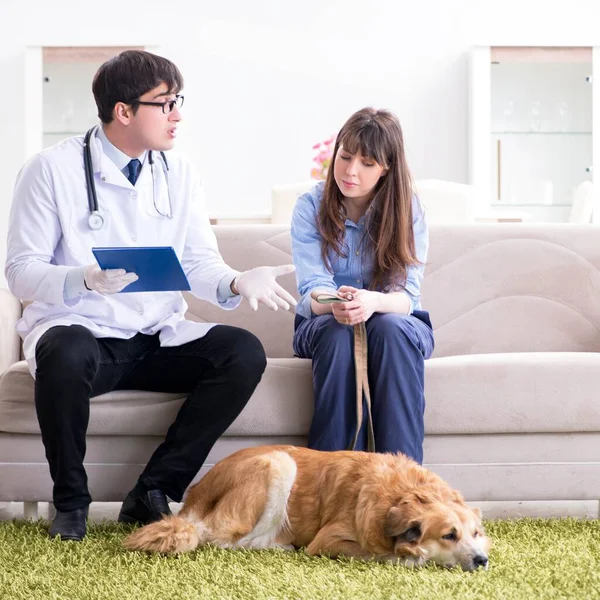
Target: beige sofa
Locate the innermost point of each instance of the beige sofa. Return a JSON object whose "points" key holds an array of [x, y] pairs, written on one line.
{"points": [[512, 389]]}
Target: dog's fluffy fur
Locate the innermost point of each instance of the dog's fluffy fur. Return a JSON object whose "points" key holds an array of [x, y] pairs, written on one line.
{"points": [[356, 504]]}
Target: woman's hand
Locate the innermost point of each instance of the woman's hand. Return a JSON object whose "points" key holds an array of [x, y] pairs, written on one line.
{"points": [[359, 310]]}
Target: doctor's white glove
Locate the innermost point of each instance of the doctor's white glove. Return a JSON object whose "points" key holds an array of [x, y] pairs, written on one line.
{"points": [[109, 281], [259, 285]]}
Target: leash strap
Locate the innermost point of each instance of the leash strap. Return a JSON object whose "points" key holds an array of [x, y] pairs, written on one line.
{"points": [[363, 391]]}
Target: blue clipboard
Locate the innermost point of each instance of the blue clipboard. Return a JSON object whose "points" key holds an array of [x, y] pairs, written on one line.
{"points": [[157, 267]]}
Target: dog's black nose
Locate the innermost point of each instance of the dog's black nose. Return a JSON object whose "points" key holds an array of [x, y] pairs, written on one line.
{"points": [[480, 560]]}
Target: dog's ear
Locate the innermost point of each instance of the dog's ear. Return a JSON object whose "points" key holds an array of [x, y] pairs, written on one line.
{"points": [[399, 526], [405, 528], [477, 512], [411, 535]]}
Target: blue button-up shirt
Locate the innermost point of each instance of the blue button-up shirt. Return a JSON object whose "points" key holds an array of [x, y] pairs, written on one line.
{"points": [[357, 268]]}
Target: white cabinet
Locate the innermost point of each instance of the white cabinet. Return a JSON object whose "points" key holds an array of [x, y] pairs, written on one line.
{"points": [[68, 103], [58, 83], [533, 135]]}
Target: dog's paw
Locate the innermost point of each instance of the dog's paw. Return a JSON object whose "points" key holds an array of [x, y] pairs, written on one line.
{"points": [[284, 547]]}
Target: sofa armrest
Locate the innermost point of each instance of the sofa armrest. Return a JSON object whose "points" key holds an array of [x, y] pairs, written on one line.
{"points": [[10, 342]]}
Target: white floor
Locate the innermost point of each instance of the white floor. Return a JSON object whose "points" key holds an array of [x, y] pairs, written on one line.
{"points": [[100, 511]]}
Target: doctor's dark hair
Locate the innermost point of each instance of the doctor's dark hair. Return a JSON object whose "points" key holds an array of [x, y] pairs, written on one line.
{"points": [[389, 236], [128, 76]]}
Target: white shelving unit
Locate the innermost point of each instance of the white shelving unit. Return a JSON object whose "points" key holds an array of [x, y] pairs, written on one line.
{"points": [[533, 135], [58, 83]]}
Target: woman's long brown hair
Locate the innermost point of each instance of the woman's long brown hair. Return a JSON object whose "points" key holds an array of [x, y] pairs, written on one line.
{"points": [[377, 135]]}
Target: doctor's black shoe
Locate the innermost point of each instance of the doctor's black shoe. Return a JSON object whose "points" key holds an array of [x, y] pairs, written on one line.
{"points": [[149, 507], [70, 525]]}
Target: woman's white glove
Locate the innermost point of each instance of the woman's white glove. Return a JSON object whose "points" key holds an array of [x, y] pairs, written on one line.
{"points": [[110, 281], [259, 285]]}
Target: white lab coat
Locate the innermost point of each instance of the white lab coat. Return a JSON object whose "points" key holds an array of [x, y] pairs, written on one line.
{"points": [[49, 235]]}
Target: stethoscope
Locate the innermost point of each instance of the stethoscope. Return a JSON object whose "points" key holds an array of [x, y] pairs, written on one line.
{"points": [[95, 219]]}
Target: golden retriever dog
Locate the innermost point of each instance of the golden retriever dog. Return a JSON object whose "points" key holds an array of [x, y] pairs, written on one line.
{"points": [[354, 504]]}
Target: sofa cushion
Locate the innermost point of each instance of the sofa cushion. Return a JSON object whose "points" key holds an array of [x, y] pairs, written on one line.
{"points": [[535, 392], [473, 394], [122, 412], [489, 288], [281, 404]]}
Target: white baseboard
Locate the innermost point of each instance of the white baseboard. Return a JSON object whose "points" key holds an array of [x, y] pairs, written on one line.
{"points": [[583, 509]]}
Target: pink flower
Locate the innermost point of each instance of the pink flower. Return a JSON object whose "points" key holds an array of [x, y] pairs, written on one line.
{"points": [[322, 158]]}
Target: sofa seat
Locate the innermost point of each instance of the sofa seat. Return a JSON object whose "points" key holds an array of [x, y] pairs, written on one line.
{"points": [[536, 392], [281, 405]]}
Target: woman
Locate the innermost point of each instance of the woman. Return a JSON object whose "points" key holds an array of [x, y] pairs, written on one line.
{"points": [[363, 232]]}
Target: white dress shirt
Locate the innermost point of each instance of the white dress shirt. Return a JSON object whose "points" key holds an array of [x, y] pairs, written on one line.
{"points": [[49, 237]]}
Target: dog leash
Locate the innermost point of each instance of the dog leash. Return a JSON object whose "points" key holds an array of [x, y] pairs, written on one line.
{"points": [[360, 366]]}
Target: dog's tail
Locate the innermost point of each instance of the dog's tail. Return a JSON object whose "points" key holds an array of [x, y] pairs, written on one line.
{"points": [[171, 535]]}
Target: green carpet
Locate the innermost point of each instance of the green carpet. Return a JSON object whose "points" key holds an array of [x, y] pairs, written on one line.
{"points": [[531, 559]]}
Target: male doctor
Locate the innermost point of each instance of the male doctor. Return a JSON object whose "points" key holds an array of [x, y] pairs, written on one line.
{"points": [[82, 337]]}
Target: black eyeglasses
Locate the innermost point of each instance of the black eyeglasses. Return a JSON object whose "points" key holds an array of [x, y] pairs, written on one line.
{"points": [[167, 106]]}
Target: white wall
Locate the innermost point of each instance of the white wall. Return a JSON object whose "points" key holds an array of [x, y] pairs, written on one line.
{"points": [[267, 79]]}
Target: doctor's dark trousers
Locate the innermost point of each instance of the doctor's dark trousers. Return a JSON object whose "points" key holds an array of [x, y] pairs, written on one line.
{"points": [[397, 347], [217, 372]]}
